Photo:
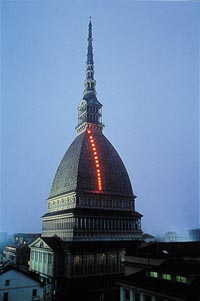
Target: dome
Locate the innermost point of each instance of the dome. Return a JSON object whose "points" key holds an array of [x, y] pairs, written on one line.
{"points": [[78, 170]]}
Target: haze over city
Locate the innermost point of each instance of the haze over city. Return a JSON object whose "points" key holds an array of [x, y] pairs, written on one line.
{"points": [[146, 64]]}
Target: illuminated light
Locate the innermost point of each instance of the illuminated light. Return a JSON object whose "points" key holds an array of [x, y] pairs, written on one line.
{"points": [[96, 159]]}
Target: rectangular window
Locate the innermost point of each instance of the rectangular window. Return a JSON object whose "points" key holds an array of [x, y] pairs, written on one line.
{"points": [[32, 255], [34, 292], [181, 279], [5, 296], [126, 294], [45, 258], [50, 257], [166, 277], [154, 274], [7, 282]]}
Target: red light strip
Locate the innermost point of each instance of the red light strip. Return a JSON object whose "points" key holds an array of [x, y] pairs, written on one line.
{"points": [[96, 160]]}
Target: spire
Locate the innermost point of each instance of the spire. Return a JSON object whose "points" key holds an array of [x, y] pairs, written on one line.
{"points": [[90, 83], [89, 109], [90, 48]]}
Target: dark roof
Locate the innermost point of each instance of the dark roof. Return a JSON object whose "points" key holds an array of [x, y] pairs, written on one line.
{"points": [[21, 269], [146, 235], [77, 170], [96, 212], [59, 245], [140, 281], [180, 266], [167, 249], [54, 242]]}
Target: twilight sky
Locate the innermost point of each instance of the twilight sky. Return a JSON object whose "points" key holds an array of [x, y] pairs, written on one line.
{"points": [[147, 70]]}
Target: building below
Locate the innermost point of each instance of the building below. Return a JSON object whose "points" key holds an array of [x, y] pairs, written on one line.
{"points": [[194, 234], [172, 236], [162, 272], [19, 284]]}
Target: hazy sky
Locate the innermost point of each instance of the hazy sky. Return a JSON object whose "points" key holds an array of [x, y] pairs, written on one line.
{"points": [[147, 70]]}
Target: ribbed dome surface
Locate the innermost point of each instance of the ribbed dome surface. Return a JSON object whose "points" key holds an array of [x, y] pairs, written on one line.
{"points": [[77, 170]]}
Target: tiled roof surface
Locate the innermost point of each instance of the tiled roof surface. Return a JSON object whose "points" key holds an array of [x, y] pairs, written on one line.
{"points": [[77, 170]]}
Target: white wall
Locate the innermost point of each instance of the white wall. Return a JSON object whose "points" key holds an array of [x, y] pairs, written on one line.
{"points": [[20, 287]]}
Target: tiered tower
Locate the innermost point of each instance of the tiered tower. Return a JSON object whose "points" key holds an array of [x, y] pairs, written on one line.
{"points": [[91, 209]]}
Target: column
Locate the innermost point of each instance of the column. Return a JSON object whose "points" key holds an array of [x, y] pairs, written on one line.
{"points": [[131, 295], [121, 294], [141, 297]]}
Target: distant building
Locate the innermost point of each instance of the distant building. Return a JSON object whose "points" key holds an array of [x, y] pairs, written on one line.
{"points": [[148, 238], [91, 210], [20, 285], [18, 252], [172, 236], [18, 255], [194, 234], [25, 238], [162, 272]]}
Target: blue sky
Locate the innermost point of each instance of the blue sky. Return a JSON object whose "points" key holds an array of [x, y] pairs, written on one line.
{"points": [[147, 70]]}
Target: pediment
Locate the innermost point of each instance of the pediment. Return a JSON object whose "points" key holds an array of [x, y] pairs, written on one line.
{"points": [[40, 243]]}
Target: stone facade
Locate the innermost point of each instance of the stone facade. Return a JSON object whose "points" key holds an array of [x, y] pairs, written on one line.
{"points": [[91, 209]]}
